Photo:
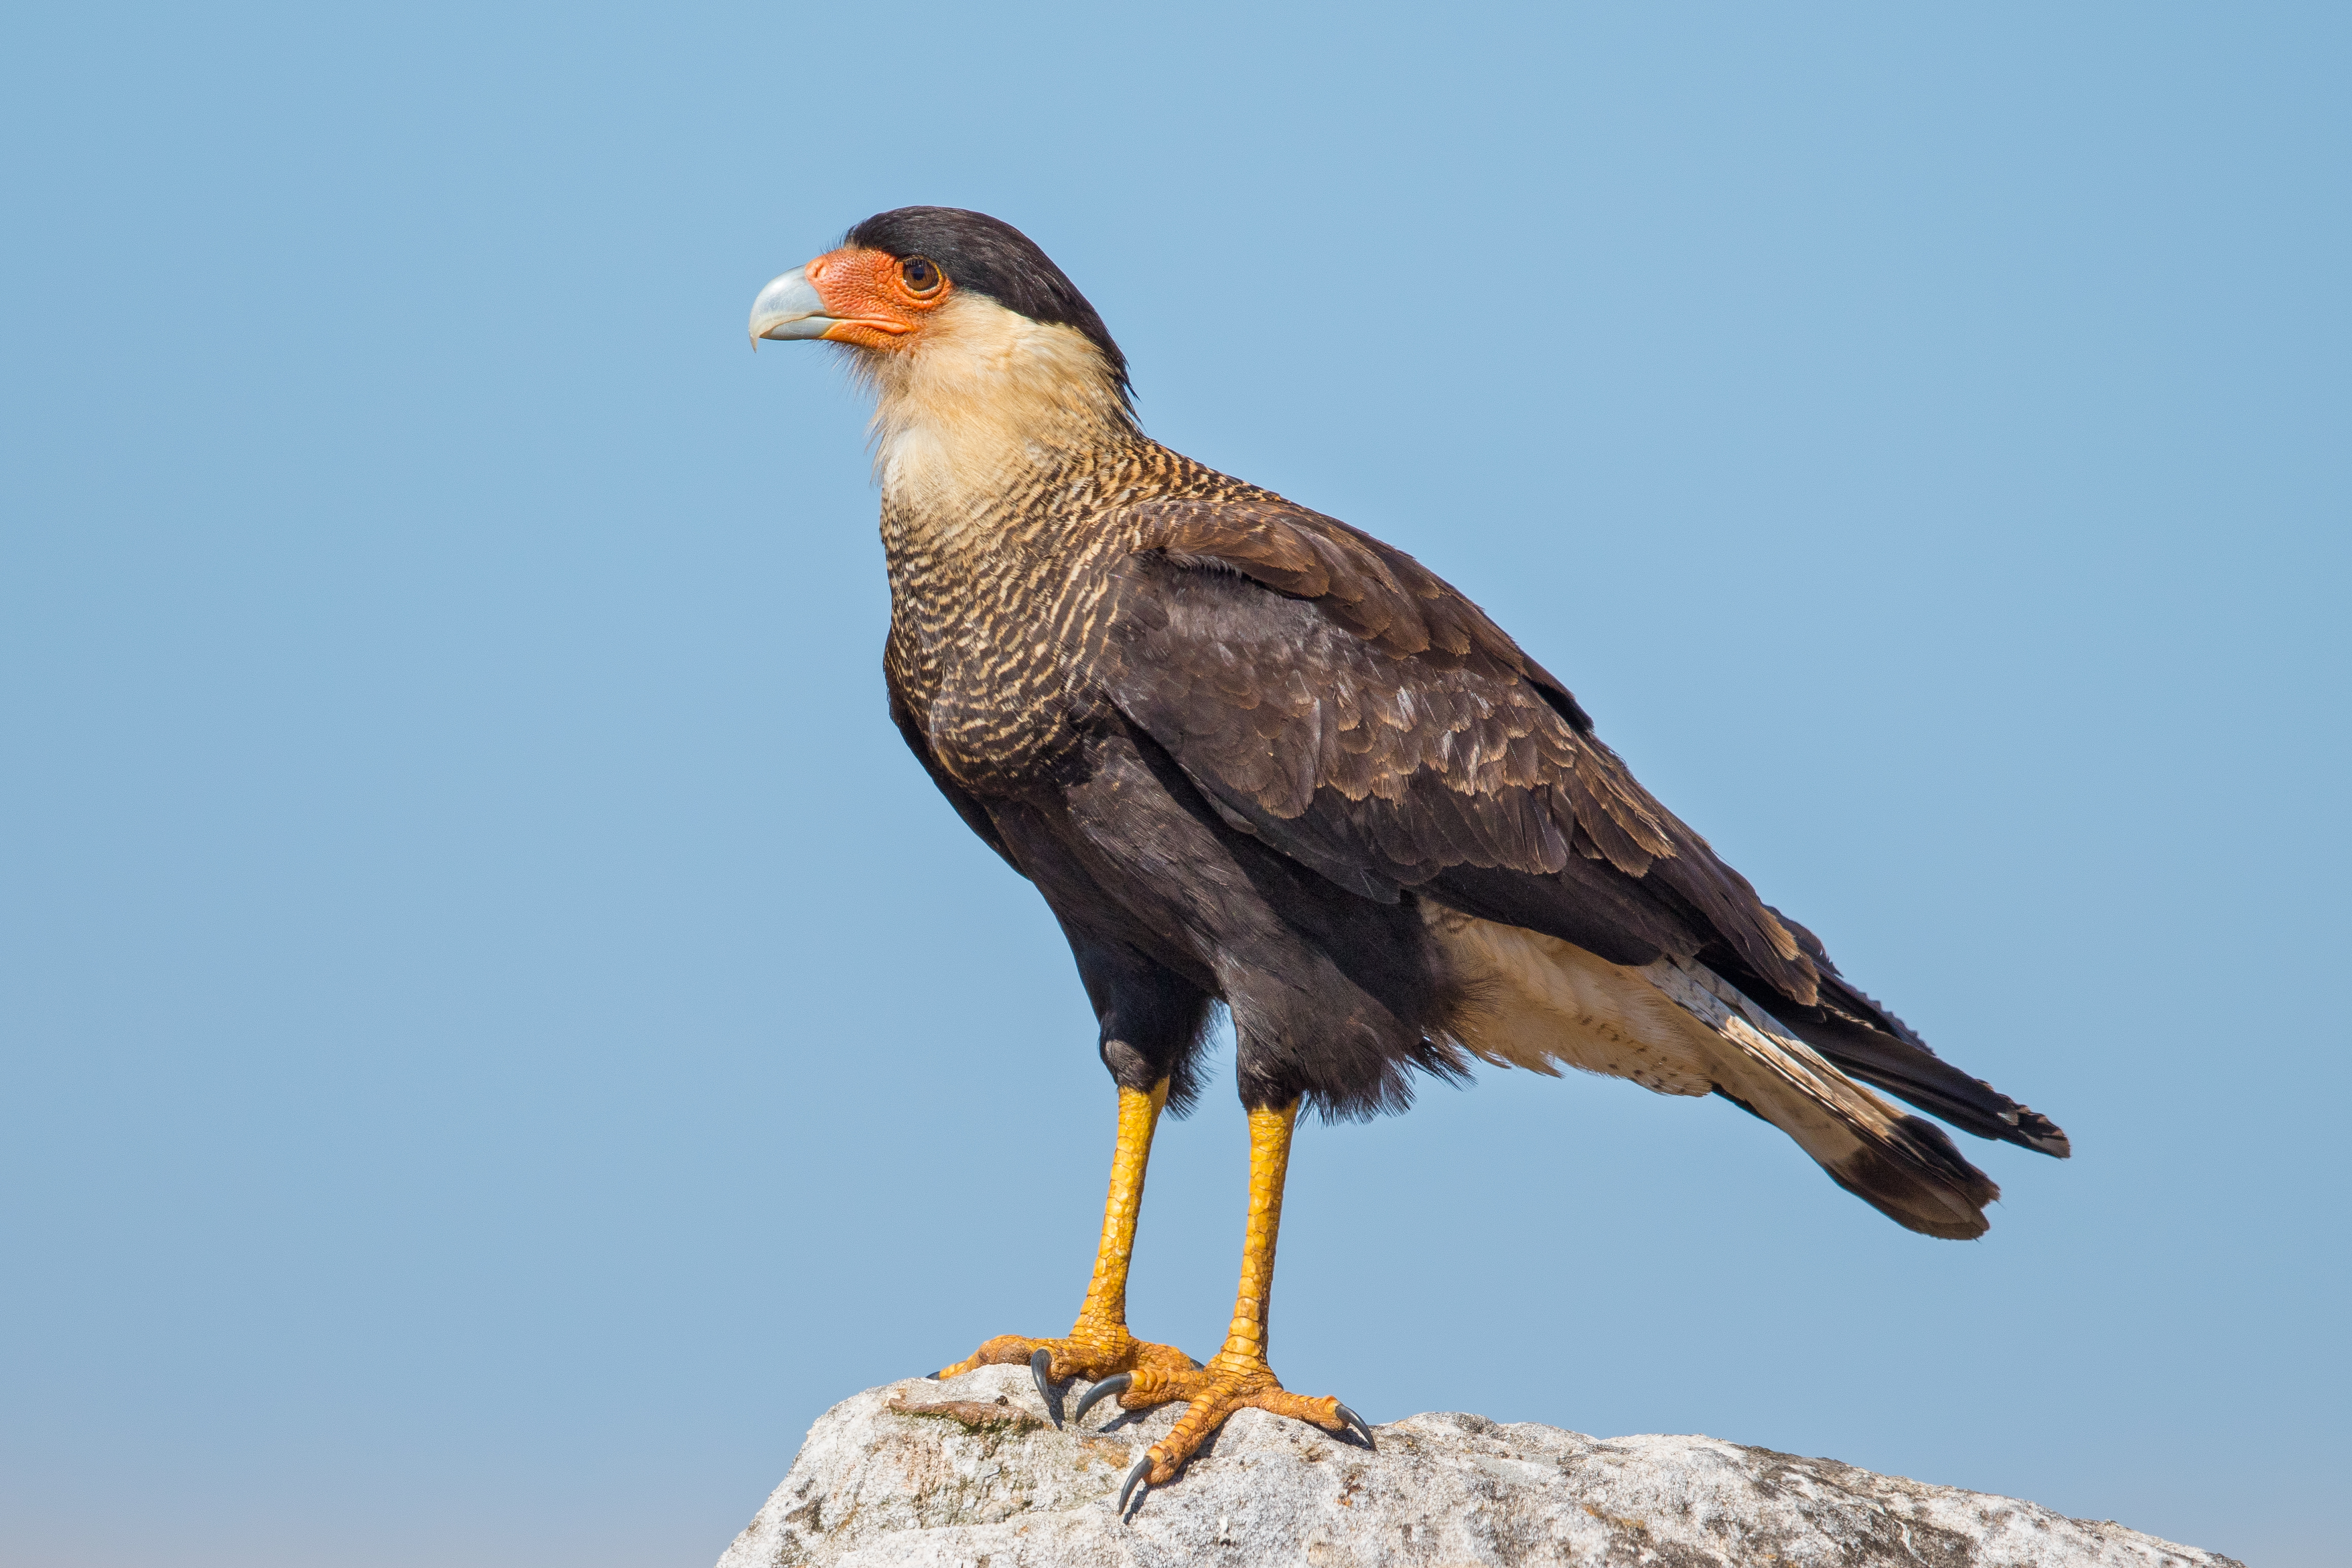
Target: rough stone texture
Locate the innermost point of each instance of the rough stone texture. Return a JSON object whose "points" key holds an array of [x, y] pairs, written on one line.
{"points": [[970, 1474]]}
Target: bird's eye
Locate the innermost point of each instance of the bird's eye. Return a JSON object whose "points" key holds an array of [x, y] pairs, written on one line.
{"points": [[921, 275]]}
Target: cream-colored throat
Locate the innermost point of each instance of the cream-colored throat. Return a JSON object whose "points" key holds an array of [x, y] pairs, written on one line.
{"points": [[984, 396]]}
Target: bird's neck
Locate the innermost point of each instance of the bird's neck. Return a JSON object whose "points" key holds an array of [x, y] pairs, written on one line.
{"points": [[981, 486], [972, 433]]}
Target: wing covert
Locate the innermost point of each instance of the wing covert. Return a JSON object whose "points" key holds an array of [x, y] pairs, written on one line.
{"points": [[1331, 695]]}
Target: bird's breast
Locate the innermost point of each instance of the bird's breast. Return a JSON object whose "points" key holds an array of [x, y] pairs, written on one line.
{"points": [[986, 665], [999, 593]]}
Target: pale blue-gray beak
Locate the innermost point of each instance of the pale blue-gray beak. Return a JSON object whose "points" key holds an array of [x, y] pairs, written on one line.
{"points": [[789, 308]]}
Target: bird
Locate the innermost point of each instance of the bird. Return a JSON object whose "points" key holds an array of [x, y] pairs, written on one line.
{"points": [[1257, 760]]}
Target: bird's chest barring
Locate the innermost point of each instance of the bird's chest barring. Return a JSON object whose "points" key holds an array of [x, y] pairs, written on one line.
{"points": [[995, 714]]}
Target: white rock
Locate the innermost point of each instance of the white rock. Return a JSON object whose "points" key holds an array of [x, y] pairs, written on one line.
{"points": [[991, 1484]]}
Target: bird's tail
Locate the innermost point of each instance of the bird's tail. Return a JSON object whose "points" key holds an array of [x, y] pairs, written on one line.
{"points": [[1534, 1001], [1903, 1165]]}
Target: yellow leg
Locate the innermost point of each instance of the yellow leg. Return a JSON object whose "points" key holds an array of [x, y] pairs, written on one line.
{"points": [[1237, 1377], [1098, 1344]]}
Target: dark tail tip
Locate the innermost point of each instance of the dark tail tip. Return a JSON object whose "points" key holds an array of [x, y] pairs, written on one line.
{"points": [[2036, 1130]]}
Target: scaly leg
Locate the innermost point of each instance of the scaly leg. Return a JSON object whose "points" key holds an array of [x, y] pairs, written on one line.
{"points": [[1237, 1377], [1099, 1345]]}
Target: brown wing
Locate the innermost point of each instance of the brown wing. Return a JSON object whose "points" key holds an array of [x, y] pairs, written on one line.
{"points": [[1368, 719], [1329, 695]]}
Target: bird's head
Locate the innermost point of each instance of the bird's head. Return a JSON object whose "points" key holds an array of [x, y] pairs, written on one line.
{"points": [[951, 314]]}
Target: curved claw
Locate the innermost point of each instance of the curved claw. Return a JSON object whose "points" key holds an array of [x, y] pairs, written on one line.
{"points": [[1039, 1365], [1099, 1392], [1135, 1479], [1354, 1421]]}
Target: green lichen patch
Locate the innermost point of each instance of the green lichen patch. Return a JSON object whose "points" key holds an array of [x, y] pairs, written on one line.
{"points": [[970, 1415]]}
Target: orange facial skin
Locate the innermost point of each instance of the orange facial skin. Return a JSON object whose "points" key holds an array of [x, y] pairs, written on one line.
{"points": [[868, 291]]}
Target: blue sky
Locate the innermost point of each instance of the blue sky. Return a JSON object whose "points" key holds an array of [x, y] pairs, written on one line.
{"points": [[496, 1035]]}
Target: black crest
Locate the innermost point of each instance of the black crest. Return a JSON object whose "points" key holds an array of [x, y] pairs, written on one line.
{"points": [[991, 256]]}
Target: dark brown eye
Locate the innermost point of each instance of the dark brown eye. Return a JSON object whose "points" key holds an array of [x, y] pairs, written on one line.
{"points": [[922, 276]]}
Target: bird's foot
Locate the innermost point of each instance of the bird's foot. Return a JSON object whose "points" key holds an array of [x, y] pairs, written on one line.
{"points": [[1094, 1350], [1226, 1384]]}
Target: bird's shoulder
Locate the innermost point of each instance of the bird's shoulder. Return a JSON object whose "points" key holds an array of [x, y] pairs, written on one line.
{"points": [[1289, 647], [1372, 589]]}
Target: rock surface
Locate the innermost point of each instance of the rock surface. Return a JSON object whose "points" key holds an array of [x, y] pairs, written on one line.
{"points": [[972, 1474]]}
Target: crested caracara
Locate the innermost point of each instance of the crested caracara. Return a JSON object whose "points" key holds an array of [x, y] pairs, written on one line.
{"points": [[1250, 755]]}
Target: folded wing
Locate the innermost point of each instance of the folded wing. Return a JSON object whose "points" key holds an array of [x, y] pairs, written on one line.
{"points": [[1332, 697]]}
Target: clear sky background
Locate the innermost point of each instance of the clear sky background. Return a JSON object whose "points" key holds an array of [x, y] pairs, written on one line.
{"points": [[496, 1035]]}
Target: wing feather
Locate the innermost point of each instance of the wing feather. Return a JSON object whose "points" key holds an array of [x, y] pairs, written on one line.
{"points": [[1367, 701]]}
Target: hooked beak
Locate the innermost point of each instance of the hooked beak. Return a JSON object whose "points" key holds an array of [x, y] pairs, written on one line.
{"points": [[788, 308]]}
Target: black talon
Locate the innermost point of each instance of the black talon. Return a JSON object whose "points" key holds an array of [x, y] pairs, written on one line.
{"points": [[1356, 1422], [1099, 1392], [1039, 1364], [1134, 1478]]}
